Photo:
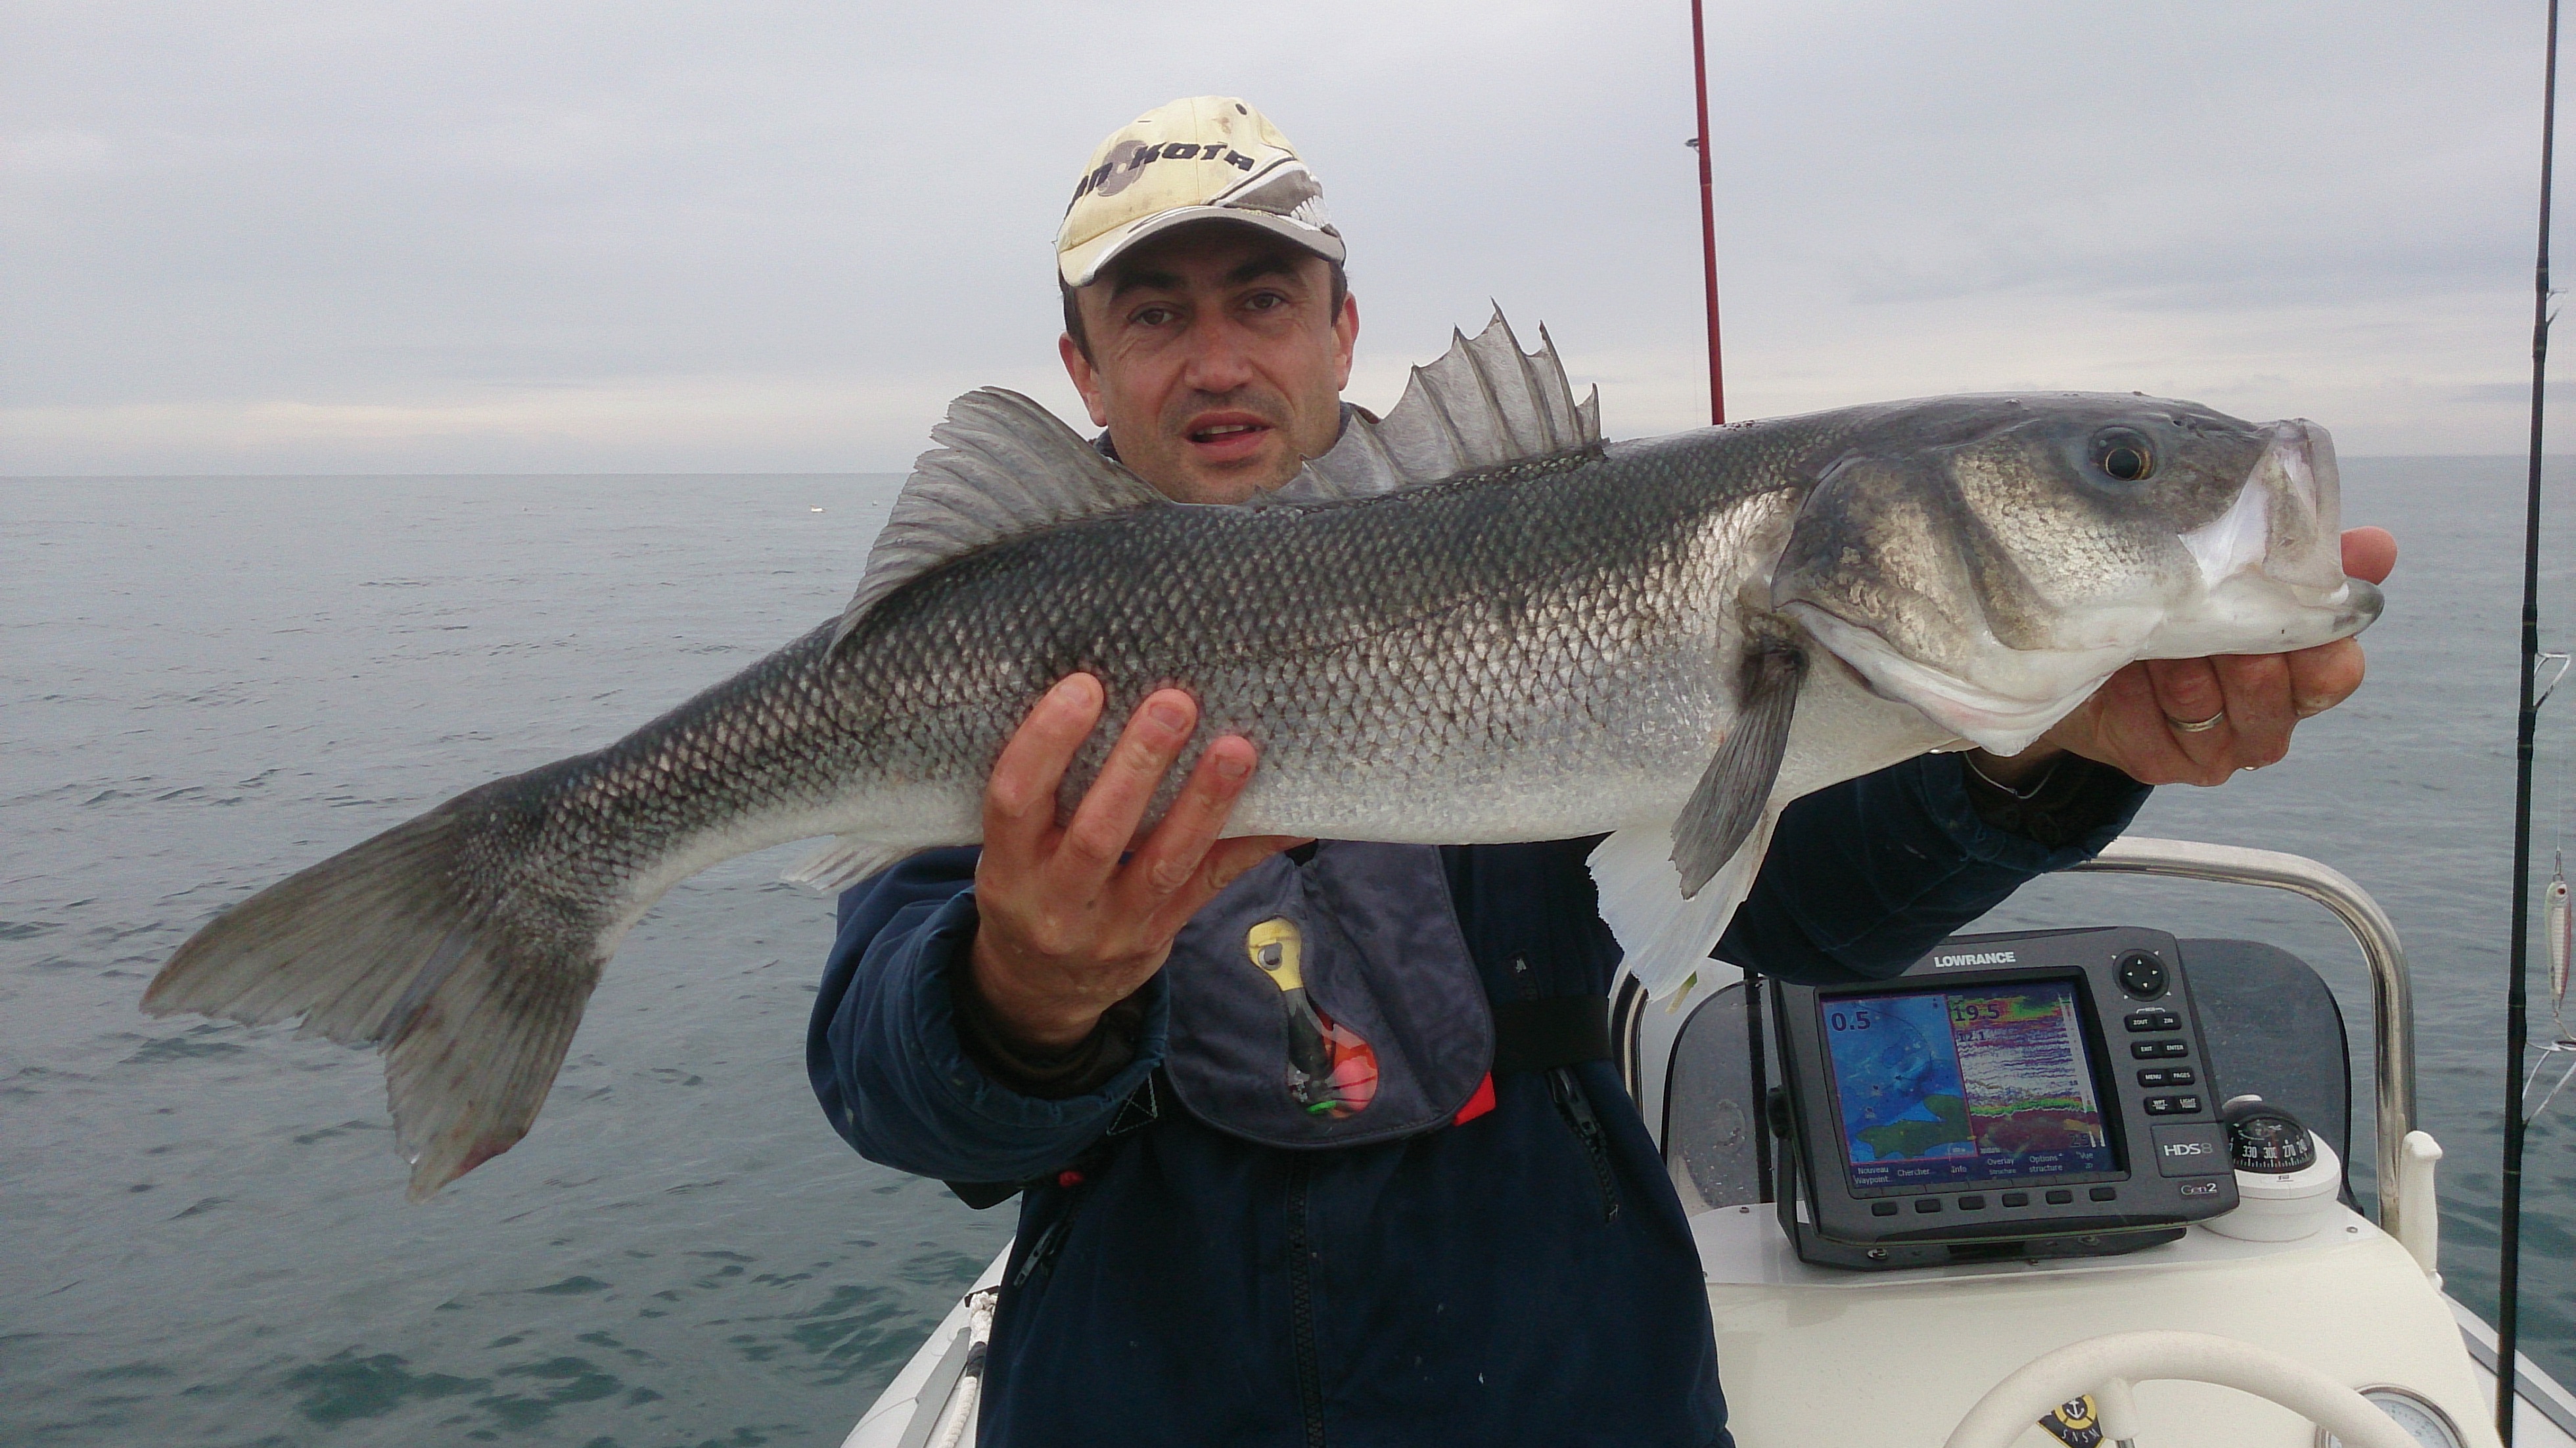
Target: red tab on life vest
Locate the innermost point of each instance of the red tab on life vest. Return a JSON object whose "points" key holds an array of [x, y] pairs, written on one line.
{"points": [[1478, 1104]]}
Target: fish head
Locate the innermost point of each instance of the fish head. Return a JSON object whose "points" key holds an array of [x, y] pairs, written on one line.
{"points": [[1991, 560]]}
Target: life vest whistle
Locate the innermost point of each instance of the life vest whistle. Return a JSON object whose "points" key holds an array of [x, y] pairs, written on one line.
{"points": [[1332, 1073]]}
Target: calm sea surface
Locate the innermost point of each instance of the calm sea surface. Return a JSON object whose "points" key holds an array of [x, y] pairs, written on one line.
{"points": [[205, 684]]}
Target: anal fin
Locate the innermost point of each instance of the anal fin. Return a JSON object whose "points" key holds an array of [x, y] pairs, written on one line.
{"points": [[845, 861], [1736, 786]]}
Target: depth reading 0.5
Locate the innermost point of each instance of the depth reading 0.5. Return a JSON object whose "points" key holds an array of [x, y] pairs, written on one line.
{"points": [[1964, 1011]]}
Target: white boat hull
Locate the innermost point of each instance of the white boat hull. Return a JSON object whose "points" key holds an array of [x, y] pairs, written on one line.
{"points": [[1812, 1355]]}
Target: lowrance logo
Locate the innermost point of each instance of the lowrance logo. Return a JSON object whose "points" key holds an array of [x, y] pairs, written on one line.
{"points": [[1983, 957]]}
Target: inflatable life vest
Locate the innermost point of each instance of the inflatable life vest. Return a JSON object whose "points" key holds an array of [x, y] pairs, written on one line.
{"points": [[1329, 1001]]}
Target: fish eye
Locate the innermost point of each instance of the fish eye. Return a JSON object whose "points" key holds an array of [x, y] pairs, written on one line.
{"points": [[2124, 454]]}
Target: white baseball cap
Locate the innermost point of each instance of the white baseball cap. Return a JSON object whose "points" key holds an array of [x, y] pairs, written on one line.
{"points": [[1206, 158]]}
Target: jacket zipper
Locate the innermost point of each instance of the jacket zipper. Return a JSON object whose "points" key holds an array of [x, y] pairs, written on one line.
{"points": [[1051, 1241], [1576, 1106], [1571, 1099], [1301, 1298]]}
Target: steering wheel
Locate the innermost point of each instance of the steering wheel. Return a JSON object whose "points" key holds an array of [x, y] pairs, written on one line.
{"points": [[2106, 1367]]}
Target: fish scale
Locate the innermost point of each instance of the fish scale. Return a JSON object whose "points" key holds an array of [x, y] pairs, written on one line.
{"points": [[1314, 653], [1662, 641]]}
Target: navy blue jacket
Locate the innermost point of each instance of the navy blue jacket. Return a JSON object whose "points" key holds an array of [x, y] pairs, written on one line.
{"points": [[1511, 1280]]}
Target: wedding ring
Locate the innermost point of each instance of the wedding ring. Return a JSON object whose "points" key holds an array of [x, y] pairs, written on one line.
{"points": [[2197, 726]]}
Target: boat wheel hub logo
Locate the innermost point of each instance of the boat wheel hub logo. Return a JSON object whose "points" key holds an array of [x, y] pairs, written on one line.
{"points": [[2078, 1424]]}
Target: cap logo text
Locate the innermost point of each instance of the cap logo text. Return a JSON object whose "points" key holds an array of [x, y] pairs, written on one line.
{"points": [[1115, 174]]}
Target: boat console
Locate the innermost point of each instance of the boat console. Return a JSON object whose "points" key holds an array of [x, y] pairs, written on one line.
{"points": [[2037, 1189], [2029, 1095]]}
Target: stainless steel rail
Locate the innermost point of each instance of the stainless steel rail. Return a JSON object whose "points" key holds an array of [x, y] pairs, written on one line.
{"points": [[2392, 998]]}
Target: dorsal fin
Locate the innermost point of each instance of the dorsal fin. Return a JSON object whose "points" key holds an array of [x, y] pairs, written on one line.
{"points": [[1484, 402], [1005, 466]]}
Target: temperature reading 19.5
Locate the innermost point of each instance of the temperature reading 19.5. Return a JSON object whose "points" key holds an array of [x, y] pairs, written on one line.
{"points": [[1850, 1020]]}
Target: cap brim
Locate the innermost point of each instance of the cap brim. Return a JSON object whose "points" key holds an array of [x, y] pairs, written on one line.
{"points": [[1081, 265]]}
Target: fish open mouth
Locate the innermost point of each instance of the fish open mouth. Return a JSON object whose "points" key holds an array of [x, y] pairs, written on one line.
{"points": [[2265, 576], [2271, 566], [2287, 520]]}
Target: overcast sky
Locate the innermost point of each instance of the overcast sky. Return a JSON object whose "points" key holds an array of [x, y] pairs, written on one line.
{"points": [[516, 237]]}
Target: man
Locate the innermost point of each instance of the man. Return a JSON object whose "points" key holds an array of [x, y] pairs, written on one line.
{"points": [[1520, 1271]]}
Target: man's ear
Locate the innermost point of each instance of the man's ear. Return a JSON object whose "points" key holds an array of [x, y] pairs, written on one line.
{"points": [[1346, 336], [1086, 378]]}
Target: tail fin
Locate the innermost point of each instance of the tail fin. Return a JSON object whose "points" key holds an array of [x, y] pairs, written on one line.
{"points": [[381, 943]]}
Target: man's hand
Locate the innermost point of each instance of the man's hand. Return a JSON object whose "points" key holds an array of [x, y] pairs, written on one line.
{"points": [[2245, 704], [1065, 929]]}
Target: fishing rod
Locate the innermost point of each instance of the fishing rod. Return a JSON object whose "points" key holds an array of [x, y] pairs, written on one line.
{"points": [[1708, 217], [1756, 1069], [2516, 998]]}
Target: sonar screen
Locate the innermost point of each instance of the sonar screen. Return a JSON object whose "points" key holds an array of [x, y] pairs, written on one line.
{"points": [[1985, 1085], [2029, 1095]]}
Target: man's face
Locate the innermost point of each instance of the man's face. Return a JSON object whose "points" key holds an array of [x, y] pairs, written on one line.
{"points": [[1217, 360]]}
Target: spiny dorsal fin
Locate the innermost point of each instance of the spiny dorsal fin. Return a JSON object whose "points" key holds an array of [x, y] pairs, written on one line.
{"points": [[1484, 402], [1005, 466]]}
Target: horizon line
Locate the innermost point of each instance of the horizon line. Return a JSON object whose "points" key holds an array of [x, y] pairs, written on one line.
{"points": [[2516, 456]]}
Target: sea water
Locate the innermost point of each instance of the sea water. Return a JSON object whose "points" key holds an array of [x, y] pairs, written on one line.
{"points": [[208, 683]]}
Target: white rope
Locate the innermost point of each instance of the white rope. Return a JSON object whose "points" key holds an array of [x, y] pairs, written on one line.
{"points": [[965, 1398]]}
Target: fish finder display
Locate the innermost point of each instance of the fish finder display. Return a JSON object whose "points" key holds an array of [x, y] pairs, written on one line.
{"points": [[1971, 1085]]}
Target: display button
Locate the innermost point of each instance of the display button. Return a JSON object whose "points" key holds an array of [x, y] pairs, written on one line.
{"points": [[2163, 1105], [1882, 1209], [2158, 1050], [2105, 1194], [2142, 975], [2190, 1149], [2141, 1021], [2155, 1078], [2016, 1199], [2181, 1076], [2200, 1189], [2186, 1104], [1972, 1204], [1927, 1205], [2060, 1197]]}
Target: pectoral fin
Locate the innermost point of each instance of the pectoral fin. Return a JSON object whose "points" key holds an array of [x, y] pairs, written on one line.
{"points": [[1737, 784]]}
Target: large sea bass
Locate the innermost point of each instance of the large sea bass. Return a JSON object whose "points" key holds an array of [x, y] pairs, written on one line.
{"points": [[1472, 622]]}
